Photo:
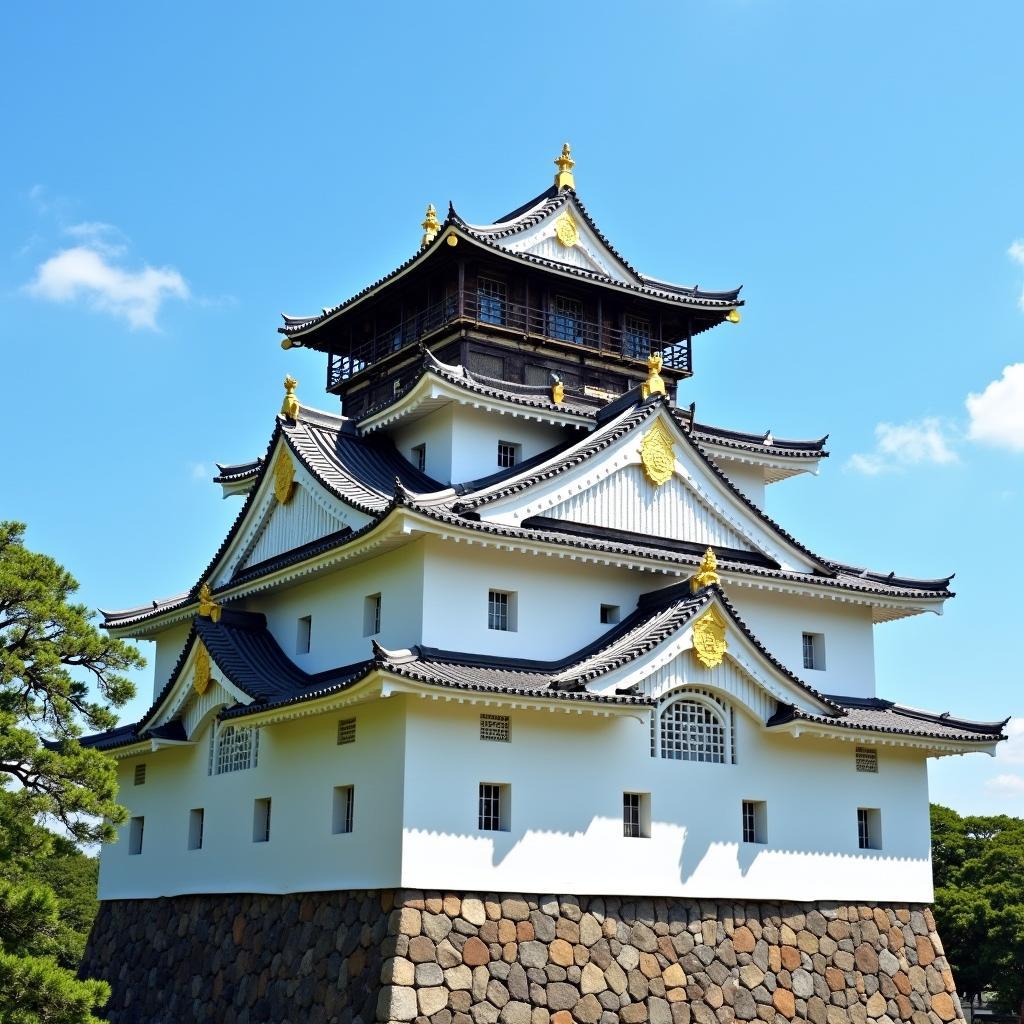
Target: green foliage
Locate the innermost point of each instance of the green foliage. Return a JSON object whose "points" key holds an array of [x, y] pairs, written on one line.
{"points": [[59, 676], [979, 901]]}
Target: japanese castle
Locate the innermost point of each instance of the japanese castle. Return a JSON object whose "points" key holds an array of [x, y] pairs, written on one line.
{"points": [[502, 615]]}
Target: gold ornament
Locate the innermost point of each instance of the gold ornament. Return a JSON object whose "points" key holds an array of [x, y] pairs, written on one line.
{"points": [[290, 406], [431, 225], [657, 454], [707, 572], [566, 230], [452, 240], [557, 392], [284, 477], [654, 385], [733, 316], [201, 670], [565, 164], [709, 639], [208, 608]]}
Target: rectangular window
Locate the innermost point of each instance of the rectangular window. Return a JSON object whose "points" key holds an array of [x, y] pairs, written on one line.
{"points": [[140, 775], [346, 731], [195, 828], [609, 613], [135, 830], [371, 615], [493, 301], [509, 454], [636, 815], [814, 650], [636, 338], [869, 828], [303, 635], [501, 610], [261, 820], [344, 809], [867, 760], [755, 821], [566, 320], [493, 812], [494, 727], [419, 457]]}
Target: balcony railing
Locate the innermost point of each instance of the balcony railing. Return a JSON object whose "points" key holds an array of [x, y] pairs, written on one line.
{"points": [[470, 307]]}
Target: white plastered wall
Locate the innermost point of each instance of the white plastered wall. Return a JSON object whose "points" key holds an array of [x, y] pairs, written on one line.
{"points": [[168, 645], [567, 774], [300, 763], [749, 479]]}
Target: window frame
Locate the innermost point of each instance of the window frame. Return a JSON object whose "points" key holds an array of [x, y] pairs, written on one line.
{"points": [[261, 817], [502, 611], [511, 456], [495, 728], [679, 737], [343, 809], [372, 614], [636, 336], [610, 614], [493, 806], [813, 644], [346, 731], [139, 774], [234, 748], [565, 320], [636, 815], [492, 301], [754, 822], [136, 834], [419, 456], [304, 634], [869, 828], [196, 826]]}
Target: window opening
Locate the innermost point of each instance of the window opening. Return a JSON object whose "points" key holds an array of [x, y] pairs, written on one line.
{"points": [[344, 809], [346, 731], [866, 760], [692, 731], [493, 807], [814, 650], [636, 815], [304, 632], [237, 748], [371, 615], [610, 613], [869, 828], [755, 823], [508, 454], [636, 338], [261, 820], [494, 727], [565, 322], [419, 457], [501, 610], [493, 300], [195, 828], [135, 831], [140, 775]]}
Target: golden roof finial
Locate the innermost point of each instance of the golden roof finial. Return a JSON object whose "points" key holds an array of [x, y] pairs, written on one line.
{"points": [[654, 385], [208, 608], [431, 225], [707, 572], [290, 406], [565, 164]]}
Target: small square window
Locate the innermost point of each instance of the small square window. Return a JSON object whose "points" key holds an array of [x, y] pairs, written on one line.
{"points": [[140, 775], [305, 631], [494, 727], [195, 828], [261, 820], [135, 831], [501, 610], [755, 821], [814, 650], [344, 809], [419, 457], [493, 807], [867, 760], [869, 828], [610, 614], [636, 815], [371, 615], [509, 454], [346, 731]]}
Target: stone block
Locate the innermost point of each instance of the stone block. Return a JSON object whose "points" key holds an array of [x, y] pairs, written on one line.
{"points": [[432, 999], [396, 1002]]}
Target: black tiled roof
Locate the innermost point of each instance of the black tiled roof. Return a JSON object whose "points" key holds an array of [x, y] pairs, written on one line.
{"points": [[230, 472]]}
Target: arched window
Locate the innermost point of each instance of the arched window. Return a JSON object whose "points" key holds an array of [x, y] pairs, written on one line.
{"points": [[694, 730], [233, 748]]}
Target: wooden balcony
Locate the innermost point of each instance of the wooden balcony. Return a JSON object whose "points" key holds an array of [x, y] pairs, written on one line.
{"points": [[559, 327]]}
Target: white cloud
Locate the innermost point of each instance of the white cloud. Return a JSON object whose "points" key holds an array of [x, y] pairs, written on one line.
{"points": [[97, 235], [1012, 750], [199, 471], [1010, 785], [88, 272], [898, 445], [1016, 253], [997, 414]]}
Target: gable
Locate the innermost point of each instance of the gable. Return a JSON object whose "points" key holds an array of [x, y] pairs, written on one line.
{"points": [[613, 488], [271, 527], [588, 252], [626, 500]]}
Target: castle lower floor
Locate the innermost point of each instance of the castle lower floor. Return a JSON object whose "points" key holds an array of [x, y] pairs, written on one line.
{"points": [[464, 958]]}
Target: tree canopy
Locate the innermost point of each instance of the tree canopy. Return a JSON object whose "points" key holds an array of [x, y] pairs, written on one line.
{"points": [[978, 863], [59, 676]]}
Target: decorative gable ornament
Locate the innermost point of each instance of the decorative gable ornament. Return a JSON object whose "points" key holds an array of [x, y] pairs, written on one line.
{"points": [[290, 405], [707, 572], [201, 669], [566, 230], [657, 454], [709, 643], [208, 608], [284, 478]]}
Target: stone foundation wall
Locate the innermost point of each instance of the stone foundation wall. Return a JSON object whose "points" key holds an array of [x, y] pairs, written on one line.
{"points": [[433, 958]]}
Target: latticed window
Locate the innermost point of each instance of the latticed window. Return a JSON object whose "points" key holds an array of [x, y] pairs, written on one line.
{"points": [[493, 807], [140, 775], [493, 301], [236, 748], [755, 821], [631, 815], [692, 731], [636, 338], [565, 322], [494, 727], [869, 828], [814, 650], [346, 731], [501, 610], [508, 454]]}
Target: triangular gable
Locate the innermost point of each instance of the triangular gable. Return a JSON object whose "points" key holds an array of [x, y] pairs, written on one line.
{"points": [[745, 673], [564, 235], [272, 527], [615, 488]]}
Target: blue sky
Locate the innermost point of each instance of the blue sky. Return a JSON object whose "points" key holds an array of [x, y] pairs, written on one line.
{"points": [[175, 177]]}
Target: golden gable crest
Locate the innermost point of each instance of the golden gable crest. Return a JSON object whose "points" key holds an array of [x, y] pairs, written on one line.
{"points": [[284, 477], [201, 669], [709, 644], [566, 230], [657, 454]]}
